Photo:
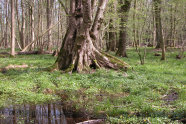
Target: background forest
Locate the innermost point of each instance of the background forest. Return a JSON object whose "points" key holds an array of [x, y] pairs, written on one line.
{"points": [[122, 61]]}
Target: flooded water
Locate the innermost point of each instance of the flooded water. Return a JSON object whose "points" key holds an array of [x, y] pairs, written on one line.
{"points": [[38, 114], [33, 114]]}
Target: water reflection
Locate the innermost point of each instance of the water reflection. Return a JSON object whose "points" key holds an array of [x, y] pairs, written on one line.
{"points": [[33, 114]]}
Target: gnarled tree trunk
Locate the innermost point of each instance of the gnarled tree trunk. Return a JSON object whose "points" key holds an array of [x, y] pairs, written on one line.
{"points": [[78, 52]]}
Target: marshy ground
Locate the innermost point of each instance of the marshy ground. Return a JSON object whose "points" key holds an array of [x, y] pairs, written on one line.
{"points": [[153, 93]]}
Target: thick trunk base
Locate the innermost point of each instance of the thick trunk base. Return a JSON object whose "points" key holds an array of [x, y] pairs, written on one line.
{"points": [[87, 59]]}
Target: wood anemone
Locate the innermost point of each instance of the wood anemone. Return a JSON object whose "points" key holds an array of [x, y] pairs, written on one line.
{"points": [[78, 51]]}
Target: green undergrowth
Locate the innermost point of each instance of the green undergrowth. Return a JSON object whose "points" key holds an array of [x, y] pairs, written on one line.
{"points": [[135, 96]]}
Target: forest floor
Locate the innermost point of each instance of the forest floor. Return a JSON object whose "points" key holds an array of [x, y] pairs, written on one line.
{"points": [[153, 93]]}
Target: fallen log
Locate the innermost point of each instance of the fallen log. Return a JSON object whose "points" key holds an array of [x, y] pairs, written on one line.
{"points": [[4, 54], [99, 121], [5, 69], [28, 53], [33, 52]]}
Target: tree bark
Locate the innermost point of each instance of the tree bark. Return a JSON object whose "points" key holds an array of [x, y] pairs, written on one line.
{"points": [[112, 37], [7, 23], [40, 25], [13, 27], [2, 28], [78, 52], [159, 34], [98, 21], [49, 23], [22, 38], [124, 10], [134, 24], [32, 22]]}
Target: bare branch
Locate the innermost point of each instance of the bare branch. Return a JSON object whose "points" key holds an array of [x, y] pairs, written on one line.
{"points": [[39, 36], [63, 5]]}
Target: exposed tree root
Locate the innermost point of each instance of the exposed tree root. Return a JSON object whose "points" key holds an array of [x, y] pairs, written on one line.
{"points": [[87, 60], [85, 57]]}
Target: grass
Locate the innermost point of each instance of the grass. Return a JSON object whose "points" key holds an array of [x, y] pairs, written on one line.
{"points": [[135, 96]]}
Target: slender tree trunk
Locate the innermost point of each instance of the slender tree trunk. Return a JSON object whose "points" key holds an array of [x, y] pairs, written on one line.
{"points": [[32, 22], [78, 52], [13, 27], [59, 26], [49, 23], [41, 45], [170, 37], [20, 27], [2, 28], [154, 31], [7, 23], [174, 27], [124, 10], [134, 24], [23, 25], [159, 34], [27, 26]]}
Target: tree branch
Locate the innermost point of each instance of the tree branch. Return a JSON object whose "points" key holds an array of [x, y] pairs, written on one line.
{"points": [[63, 5], [39, 37]]}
